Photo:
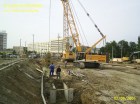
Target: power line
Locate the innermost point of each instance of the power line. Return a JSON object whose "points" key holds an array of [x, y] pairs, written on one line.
{"points": [[72, 8], [33, 43]]}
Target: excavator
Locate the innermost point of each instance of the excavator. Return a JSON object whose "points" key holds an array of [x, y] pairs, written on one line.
{"points": [[87, 59]]}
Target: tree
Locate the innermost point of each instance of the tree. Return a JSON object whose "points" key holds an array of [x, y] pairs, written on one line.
{"points": [[14, 52], [109, 47], [48, 59], [4, 55], [124, 48], [25, 50], [120, 49], [132, 46], [138, 45]]}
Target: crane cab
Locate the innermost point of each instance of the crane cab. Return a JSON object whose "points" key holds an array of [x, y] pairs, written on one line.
{"points": [[68, 56]]}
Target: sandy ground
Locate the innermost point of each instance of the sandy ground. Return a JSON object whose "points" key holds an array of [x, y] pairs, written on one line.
{"points": [[113, 84], [116, 85]]}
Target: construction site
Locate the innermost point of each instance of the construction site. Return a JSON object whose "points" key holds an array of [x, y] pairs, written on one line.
{"points": [[28, 82], [88, 75]]}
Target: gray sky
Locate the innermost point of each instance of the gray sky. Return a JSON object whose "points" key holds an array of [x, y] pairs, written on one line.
{"points": [[117, 19]]}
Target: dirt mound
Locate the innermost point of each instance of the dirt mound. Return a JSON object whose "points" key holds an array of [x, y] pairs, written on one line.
{"points": [[20, 84], [113, 86]]}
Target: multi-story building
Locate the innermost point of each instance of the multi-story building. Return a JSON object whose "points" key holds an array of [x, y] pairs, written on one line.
{"points": [[38, 47], [54, 46], [57, 45], [3, 40]]}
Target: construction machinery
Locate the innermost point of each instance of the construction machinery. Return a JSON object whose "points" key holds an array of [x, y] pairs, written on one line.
{"points": [[69, 24], [91, 60], [134, 57], [68, 55], [87, 59]]}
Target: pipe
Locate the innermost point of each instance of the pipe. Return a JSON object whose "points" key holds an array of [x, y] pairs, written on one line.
{"points": [[42, 95]]}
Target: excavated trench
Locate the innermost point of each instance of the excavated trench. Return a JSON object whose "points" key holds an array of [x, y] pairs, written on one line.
{"points": [[60, 98], [20, 84], [60, 95]]}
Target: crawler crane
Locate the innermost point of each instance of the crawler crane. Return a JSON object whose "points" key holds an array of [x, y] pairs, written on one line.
{"points": [[89, 60]]}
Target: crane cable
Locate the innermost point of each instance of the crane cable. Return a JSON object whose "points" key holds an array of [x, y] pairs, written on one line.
{"points": [[79, 22], [91, 19], [74, 12]]}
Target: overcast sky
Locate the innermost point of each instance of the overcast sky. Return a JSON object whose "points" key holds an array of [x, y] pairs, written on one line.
{"points": [[117, 19]]}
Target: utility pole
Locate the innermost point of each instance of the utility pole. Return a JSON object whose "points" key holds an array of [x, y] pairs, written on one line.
{"points": [[58, 44], [25, 49], [33, 43], [49, 26], [121, 51], [48, 46], [20, 47], [62, 44], [25, 43], [121, 48], [41, 53], [33, 48], [112, 53]]}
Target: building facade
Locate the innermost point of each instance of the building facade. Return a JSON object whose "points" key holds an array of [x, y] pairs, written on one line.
{"points": [[38, 47], [57, 46], [3, 40], [54, 46], [18, 49]]}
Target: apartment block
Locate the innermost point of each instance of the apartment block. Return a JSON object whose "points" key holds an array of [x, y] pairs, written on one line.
{"points": [[3, 40]]}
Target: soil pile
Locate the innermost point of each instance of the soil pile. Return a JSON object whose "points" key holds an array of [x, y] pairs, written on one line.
{"points": [[20, 84]]}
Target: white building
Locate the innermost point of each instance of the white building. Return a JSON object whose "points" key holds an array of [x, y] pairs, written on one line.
{"points": [[57, 46], [54, 46], [38, 47]]}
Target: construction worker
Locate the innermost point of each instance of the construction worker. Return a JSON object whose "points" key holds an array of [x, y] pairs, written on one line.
{"points": [[66, 64], [51, 69], [58, 71]]}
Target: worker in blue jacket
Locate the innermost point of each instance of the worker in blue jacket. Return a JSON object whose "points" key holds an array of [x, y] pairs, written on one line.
{"points": [[51, 69]]}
